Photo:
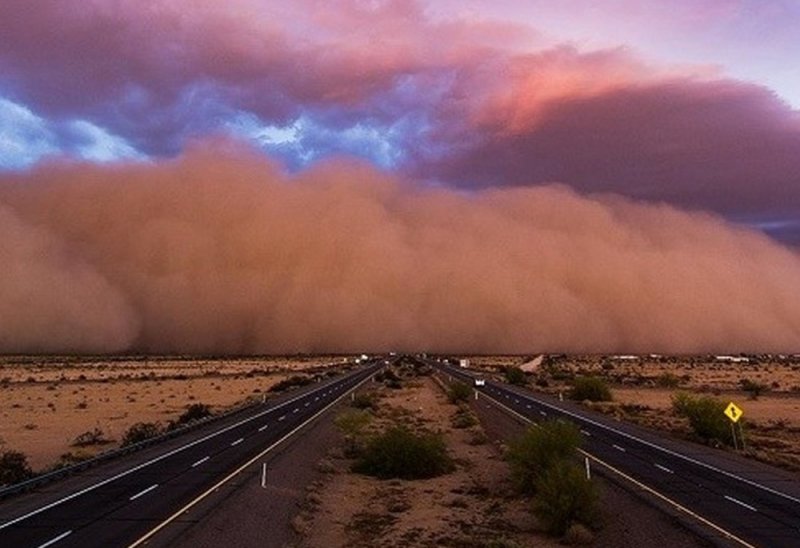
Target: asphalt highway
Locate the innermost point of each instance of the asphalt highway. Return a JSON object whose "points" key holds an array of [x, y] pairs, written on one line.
{"points": [[744, 504], [122, 507]]}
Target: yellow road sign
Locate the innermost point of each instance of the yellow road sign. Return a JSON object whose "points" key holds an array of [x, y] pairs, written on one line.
{"points": [[734, 412]]}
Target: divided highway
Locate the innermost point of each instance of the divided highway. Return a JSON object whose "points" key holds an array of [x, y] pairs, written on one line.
{"points": [[121, 505], [746, 505]]}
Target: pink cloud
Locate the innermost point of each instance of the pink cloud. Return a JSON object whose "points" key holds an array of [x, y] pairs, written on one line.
{"points": [[605, 123]]}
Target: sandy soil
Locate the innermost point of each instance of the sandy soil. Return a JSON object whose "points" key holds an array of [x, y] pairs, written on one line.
{"points": [[48, 402], [472, 506]]}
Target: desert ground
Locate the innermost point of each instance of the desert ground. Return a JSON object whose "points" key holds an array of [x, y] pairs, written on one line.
{"points": [[475, 505], [47, 402], [643, 387]]}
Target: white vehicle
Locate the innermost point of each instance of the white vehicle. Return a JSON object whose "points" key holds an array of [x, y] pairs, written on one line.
{"points": [[480, 382]]}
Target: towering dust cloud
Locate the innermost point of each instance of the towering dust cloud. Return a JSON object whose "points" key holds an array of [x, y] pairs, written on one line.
{"points": [[221, 252]]}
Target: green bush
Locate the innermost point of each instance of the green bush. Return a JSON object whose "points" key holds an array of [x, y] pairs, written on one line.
{"points": [[564, 496], [291, 382], [538, 449], [91, 437], [353, 424], [459, 392], [365, 400], [401, 453], [14, 467], [139, 432], [515, 375], [755, 389], [195, 412], [464, 418], [668, 380], [590, 388], [706, 417]]}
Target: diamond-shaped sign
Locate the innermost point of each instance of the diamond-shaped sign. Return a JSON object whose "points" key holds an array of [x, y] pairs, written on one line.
{"points": [[734, 412]]}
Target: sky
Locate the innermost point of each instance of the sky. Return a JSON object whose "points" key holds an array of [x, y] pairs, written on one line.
{"points": [[687, 110]]}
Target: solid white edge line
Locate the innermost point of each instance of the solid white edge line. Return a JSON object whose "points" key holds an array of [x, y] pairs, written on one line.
{"points": [[152, 461], [56, 539], [664, 468], [658, 447], [201, 461], [143, 492], [236, 472], [641, 485], [740, 503]]}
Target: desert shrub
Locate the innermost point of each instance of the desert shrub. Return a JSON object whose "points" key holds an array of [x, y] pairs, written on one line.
{"points": [[477, 436], [69, 459], [706, 416], [365, 400], [14, 467], [564, 496], [353, 423], [386, 376], [578, 535], [668, 380], [91, 437], [515, 375], [400, 453], [754, 388], [458, 392], [590, 388], [140, 432], [194, 412], [291, 382], [538, 449], [464, 418]]}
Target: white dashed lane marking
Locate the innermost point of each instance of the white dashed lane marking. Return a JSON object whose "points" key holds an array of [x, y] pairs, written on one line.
{"points": [[56, 539], [143, 492], [740, 503]]}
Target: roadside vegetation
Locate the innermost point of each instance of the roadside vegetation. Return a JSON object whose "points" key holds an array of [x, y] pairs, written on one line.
{"points": [[754, 389], [401, 453], [194, 412], [544, 465], [458, 392], [140, 432], [514, 375], [590, 389], [14, 467], [706, 416]]}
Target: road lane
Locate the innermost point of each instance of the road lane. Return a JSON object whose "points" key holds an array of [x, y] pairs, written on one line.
{"points": [[748, 506], [116, 510]]}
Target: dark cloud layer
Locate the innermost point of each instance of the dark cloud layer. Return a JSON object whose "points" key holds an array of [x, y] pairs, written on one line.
{"points": [[447, 100], [719, 145]]}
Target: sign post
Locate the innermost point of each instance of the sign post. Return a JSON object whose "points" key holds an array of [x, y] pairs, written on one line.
{"points": [[734, 413]]}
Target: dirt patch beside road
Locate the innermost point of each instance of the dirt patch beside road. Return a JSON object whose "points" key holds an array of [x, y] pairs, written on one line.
{"points": [[471, 506]]}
